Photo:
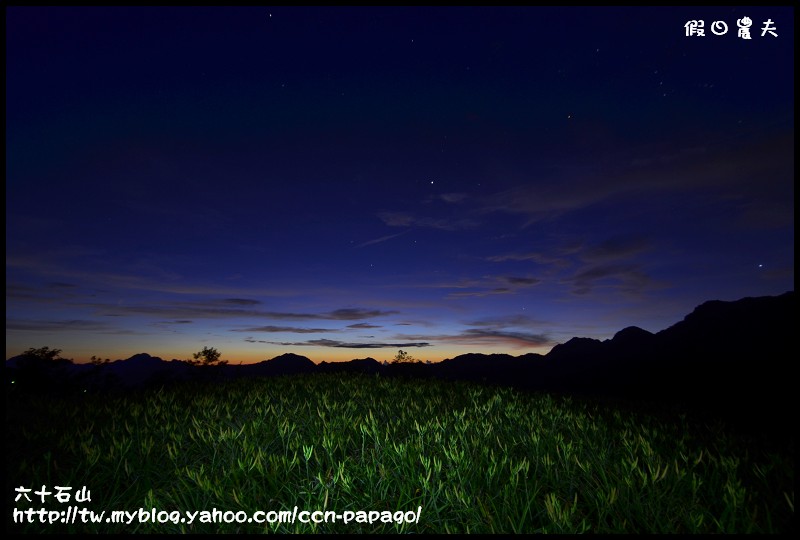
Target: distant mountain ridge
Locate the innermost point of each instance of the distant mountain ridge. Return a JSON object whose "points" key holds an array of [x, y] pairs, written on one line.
{"points": [[735, 356]]}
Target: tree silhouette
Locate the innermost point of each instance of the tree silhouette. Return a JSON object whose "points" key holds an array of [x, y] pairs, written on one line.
{"points": [[42, 357], [209, 356], [43, 369], [403, 357], [97, 361]]}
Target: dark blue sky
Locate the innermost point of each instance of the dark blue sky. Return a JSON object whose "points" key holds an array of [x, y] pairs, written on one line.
{"points": [[346, 182]]}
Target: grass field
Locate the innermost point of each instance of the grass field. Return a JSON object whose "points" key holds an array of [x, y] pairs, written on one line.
{"points": [[476, 459]]}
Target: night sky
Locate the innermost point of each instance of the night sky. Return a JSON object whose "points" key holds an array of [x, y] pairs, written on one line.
{"points": [[346, 182]]}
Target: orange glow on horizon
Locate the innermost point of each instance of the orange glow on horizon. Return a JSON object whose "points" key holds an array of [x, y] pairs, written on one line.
{"points": [[315, 354]]}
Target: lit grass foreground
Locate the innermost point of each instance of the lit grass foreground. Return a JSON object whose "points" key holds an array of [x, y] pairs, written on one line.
{"points": [[476, 459]]}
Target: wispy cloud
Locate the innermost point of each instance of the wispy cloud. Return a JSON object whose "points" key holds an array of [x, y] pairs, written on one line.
{"points": [[488, 285], [345, 345], [381, 239], [485, 292], [627, 278], [71, 325], [453, 198], [489, 338], [540, 258], [173, 311], [615, 248], [522, 281], [215, 309], [405, 219], [288, 329], [506, 321], [61, 285], [614, 262], [241, 302], [60, 267], [342, 344], [521, 339], [346, 314], [721, 169], [363, 325]]}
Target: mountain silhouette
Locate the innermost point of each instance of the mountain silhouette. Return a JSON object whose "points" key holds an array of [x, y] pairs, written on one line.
{"points": [[284, 364], [358, 365], [735, 358], [632, 336]]}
